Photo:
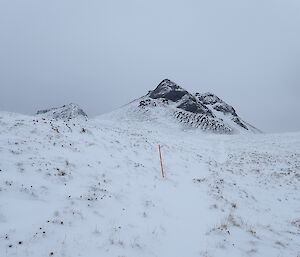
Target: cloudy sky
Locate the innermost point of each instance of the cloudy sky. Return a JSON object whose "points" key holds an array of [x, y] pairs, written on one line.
{"points": [[102, 54]]}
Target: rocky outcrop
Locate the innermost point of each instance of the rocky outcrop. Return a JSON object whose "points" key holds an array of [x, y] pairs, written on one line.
{"points": [[216, 103], [168, 90], [192, 105]]}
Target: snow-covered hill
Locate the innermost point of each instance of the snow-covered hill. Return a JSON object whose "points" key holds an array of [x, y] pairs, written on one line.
{"points": [[92, 188], [66, 112], [168, 101]]}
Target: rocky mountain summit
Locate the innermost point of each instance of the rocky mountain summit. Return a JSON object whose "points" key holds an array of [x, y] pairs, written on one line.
{"points": [[205, 111], [66, 112]]}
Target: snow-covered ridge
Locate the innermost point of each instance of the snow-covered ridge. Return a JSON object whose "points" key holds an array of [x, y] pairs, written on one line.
{"points": [[66, 112]]}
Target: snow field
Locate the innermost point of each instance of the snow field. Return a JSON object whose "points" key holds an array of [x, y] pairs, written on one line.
{"points": [[94, 188]]}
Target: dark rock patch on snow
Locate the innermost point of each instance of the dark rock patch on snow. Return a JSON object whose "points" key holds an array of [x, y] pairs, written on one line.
{"points": [[191, 105], [216, 103]]}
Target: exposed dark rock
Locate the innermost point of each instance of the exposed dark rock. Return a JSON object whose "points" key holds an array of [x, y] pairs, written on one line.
{"points": [[208, 98], [216, 103], [202, 121], [225, 108], [191, 105], [238, 121], [147, 102], [168, 90]]}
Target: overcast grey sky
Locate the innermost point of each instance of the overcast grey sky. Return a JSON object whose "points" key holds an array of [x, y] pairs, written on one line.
{"points": [[102, 54]]}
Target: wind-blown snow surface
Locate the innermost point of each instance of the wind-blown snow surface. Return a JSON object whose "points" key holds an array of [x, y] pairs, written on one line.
{"points": [[94, 188]]}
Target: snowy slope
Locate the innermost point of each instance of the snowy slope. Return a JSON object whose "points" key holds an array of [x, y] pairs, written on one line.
{"points": [[94, 188]]}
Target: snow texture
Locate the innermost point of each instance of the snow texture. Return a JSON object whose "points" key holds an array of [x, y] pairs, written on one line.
{"points": [[94, 188]]}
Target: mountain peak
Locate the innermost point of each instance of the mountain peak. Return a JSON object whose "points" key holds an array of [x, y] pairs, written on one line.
{"points": [[169, 90]]}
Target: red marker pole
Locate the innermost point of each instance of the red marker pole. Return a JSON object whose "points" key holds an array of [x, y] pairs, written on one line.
{"points": [[161, 162]]}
